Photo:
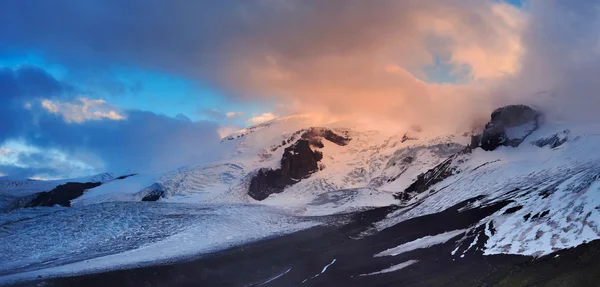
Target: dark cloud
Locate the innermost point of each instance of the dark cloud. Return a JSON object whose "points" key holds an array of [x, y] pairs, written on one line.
{"points": [[19, 86], [142, 141]]}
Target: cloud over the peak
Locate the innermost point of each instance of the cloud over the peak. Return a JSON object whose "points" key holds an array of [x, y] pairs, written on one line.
{"points": [[348, 56], [427, 62], [561, 62], [264, 117]]}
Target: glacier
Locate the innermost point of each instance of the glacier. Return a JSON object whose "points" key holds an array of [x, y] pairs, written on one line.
{"points": [[547, 189]]}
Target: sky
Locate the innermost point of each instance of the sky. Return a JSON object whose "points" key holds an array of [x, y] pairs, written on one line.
{"points": [[106, 86]]}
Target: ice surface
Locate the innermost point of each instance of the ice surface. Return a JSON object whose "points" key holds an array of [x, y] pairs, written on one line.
{"points": [[89, 238], [393, 268], [327, 266], [275, 277], [424, 242]]}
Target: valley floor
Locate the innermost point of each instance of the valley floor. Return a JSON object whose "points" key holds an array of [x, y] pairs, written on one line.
{"points": [[344, 255]]}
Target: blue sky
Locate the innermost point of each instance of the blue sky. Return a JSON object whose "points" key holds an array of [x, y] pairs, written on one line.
{"points": [[158, 92]]}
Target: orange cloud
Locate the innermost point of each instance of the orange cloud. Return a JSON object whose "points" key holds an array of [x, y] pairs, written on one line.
{"points": [[354, 57]]}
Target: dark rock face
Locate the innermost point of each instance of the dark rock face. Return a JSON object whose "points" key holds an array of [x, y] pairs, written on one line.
{"points": [[298, 162], [475, 141], [153, 192], [509, 126], [62, 194], [126, 176], [440, 172], [553, 141], [314, 136]]}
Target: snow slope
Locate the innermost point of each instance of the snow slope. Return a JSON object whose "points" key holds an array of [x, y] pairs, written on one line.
{"points": [[549, 185], [366, 172], [553, 193]]}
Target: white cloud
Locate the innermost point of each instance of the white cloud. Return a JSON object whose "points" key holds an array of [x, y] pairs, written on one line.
{"points": [[261, 118], [83, 109], [21, 154], [234, 114]]}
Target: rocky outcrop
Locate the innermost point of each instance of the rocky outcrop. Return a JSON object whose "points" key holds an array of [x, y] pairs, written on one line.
{"points": [[153, 193], [298, 162], [315, 135], [509, 126], [440, 172], [62, 194], [553, 141]]}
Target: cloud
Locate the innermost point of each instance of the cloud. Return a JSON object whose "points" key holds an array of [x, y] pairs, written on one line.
{"points": [[21, 160], [345, 58], [232, 115], [307, 54], [561, 62], [261, 118], [69, 136], [83, 109]]}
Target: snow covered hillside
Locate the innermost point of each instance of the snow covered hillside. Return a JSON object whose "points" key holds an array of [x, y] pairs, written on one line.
{"points": [[526, 186], [366, 171]]}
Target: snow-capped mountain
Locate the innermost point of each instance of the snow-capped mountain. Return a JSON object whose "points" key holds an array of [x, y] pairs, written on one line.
{"points": [[364, 167], [520, 186], [30, 186]]}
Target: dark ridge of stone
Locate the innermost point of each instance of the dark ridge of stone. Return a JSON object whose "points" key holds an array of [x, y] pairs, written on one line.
{"points": [[298, 162], [153, 193], [314, 135], [494, 133], [475, 141], [406, 137], [425, 180], [62, 194], [553, 141], [513, 209], [491, 228], [154, 196], [126, 176], [526, 216], [540, 215]]}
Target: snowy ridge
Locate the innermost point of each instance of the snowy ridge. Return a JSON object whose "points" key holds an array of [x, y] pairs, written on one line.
{"points": [[364, 172], [546, 190], [553, 193], [30, 186]]}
